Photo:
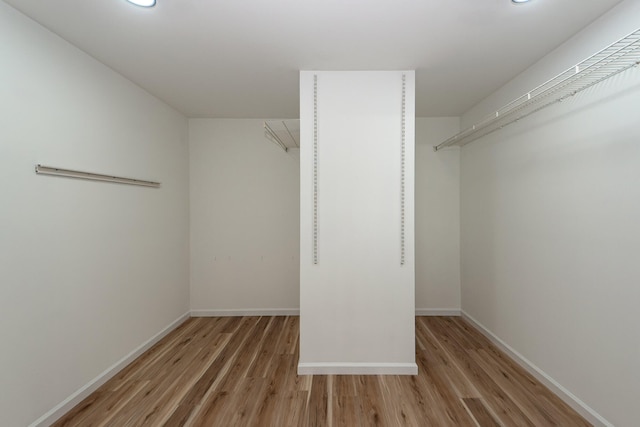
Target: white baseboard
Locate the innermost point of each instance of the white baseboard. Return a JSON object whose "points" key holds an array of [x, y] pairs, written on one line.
{"points": [[357, 369], [69, 403], [437, 312], [569, 398], [246, 312], [296, 312]]}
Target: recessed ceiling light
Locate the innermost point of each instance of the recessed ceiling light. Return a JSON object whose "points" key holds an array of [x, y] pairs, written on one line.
{"points": [[519, 1], [143, 3]]}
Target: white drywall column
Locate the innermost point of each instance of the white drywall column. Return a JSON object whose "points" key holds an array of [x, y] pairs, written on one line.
{"points": [[357, 298]]}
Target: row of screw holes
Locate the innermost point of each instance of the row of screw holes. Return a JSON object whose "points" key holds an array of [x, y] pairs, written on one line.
{"points": [[402, 170], [315, 169]]}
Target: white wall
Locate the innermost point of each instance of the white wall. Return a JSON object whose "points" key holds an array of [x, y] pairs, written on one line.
{"points": [[357, 303], [245, 219], [89, 271], [551, 237], [246, 189], [437, 217]]}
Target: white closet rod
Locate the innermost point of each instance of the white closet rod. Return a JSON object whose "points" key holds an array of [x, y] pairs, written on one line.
{"points": [[48, 170], [614, 59]]}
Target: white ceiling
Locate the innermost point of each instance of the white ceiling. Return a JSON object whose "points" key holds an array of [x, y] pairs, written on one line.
{"points": [[240, 58]]}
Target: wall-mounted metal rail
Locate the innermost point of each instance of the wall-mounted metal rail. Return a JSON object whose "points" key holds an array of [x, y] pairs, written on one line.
{"points": [[47, 170], [612, 60]]}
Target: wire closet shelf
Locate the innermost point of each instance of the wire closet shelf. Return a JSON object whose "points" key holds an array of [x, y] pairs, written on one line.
{"points": [[612, 60]]}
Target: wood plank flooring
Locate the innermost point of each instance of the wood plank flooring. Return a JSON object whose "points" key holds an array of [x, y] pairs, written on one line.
{"points": [[241, 371]]}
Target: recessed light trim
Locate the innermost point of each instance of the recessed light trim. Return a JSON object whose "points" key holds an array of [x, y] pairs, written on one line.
{"points": [[519, 1], [143, 3]]}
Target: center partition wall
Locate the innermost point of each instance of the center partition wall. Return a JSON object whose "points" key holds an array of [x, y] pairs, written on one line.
{"points": [[357, 271]]}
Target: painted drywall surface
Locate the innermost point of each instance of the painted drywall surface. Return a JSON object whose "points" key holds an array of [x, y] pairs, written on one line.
{"points": [[246, 189], [437, 213], [357, 303], [550, 240], [89, 270], [245, 219]]}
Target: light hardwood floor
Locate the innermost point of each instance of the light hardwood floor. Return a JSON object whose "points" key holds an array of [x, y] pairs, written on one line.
{"points": [[241, 371]]}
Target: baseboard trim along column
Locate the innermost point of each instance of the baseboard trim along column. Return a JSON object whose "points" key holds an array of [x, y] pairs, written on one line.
{"points": [[569, 398], [69, 403], [246, 312], [333, 368]]}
